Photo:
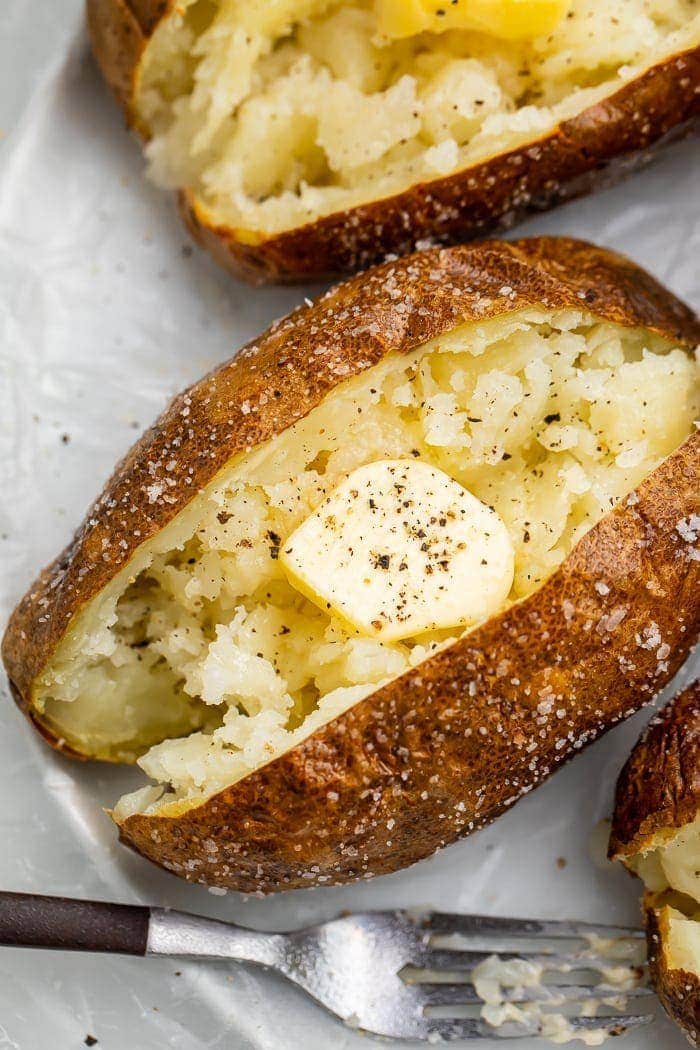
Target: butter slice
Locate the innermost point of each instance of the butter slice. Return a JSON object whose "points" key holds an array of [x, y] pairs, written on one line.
{"points": [[507, 19], [400, 548]]}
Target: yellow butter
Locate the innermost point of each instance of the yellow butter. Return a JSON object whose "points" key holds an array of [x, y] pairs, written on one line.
{"points": [[508, 19], [400, 548]]}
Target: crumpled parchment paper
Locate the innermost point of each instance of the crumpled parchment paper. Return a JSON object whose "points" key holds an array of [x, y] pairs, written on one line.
{"points": [[105, 312]]}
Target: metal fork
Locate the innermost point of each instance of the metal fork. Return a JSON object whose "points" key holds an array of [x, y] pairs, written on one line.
{"points": [[388, 973]]}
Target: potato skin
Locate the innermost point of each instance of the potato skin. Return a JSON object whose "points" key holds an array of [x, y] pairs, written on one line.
{"points": [[659, 790], [595, 147], [119, 32], [383, 786], [678, 990], [659, 786]]}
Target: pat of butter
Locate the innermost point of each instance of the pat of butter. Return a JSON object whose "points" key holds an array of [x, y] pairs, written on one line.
{"points": [[507, 19], [400, 548]]}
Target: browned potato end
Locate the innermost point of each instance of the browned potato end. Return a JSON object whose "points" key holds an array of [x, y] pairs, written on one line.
{"points": [[656, 834]]}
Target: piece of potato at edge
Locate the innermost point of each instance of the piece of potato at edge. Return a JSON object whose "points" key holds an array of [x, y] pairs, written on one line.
{"points": [[551, 388], [311, 137], [656, 834]]}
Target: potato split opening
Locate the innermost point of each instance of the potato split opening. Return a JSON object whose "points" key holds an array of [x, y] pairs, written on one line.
{"points": [[670, 870], [201, 656], [277, 114]]}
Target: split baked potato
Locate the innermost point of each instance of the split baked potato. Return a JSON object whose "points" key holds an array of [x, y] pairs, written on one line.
{"points": [[656, 834], [375, 578], [309, 137]]}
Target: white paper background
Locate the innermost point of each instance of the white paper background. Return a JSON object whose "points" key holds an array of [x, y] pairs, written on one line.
{"points": [[102, 318]]}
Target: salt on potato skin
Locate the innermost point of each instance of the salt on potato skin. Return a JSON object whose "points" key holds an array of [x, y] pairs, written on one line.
{"points": [[448, 746]]}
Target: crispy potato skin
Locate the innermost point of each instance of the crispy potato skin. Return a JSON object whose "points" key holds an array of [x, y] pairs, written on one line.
{"points": [[597, 146], [659, 790], [119, 31], [415, 765], [678, 990], [659, 786]]}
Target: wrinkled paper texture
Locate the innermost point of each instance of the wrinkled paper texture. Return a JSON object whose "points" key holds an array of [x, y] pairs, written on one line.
{"points": [[105, 312]]}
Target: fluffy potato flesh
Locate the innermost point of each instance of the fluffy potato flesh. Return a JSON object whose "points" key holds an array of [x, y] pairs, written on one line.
{"points": [[671, 874], [201, 656], [277, 114]]}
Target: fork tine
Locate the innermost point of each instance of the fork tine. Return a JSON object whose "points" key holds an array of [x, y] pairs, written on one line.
{"points": [[445, 922], [474, 1028], [612, 1025], [465, 994], [436, 959], [463, 1028]]}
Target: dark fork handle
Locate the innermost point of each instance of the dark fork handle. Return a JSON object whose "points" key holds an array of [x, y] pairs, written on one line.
{"points": [[28, 920]]}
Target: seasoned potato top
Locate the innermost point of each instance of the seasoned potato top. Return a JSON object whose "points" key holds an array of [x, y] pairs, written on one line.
{"points": [[276, 114], [237, 632]]}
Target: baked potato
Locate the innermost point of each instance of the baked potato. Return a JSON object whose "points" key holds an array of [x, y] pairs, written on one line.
{"points": [[313, 137], [375, 578], [656, 834]]}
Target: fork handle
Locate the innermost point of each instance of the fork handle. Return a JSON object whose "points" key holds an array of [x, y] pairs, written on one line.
{"points": [[28, 920]]}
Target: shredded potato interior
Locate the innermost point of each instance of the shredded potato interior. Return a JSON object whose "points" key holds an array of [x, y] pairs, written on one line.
{"points": [[549, 419], [671, 872], [276, 114]]}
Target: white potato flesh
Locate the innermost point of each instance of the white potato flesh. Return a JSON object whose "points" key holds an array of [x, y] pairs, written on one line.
{"points": [[277, 114], [671, 872], [682, 942], [680, 860]]}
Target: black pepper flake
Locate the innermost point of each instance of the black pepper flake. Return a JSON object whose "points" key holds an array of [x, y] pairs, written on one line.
{"points": [[526, 536], [506, 455], [553, 417], [276, 542], [65, 439], [382, 561], [415, 452], [223, 517], [90, 1040], [473, 419]]}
